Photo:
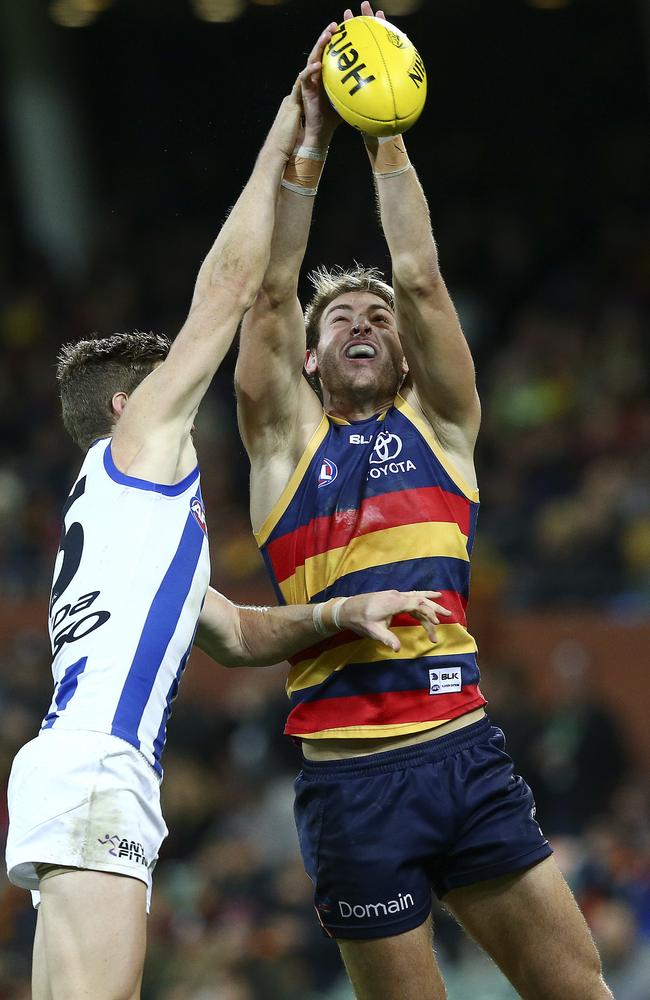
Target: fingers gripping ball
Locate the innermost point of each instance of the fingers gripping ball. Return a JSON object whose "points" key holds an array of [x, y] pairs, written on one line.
{"points": [[374, 76]]}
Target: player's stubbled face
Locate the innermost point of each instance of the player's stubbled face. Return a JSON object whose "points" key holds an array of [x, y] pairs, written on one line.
{"points": [[359, 350]]}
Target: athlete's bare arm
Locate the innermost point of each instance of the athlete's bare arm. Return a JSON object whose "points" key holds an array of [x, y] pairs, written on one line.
{"points": [[441, 371], [152, 437], [238, 636], [277, 410], [440, 363]]}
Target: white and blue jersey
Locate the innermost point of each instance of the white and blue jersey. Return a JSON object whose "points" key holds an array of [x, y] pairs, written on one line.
{"points": [[130, 578]]}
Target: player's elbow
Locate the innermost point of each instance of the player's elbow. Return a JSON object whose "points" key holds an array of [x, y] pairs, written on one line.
{"points": [[225, 293], [236, 281], [277, 289], [417, 273]]}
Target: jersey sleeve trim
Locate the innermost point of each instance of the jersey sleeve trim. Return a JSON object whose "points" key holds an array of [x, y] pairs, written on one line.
{"points": [[296, 478], [427, 433], [144, 484]]}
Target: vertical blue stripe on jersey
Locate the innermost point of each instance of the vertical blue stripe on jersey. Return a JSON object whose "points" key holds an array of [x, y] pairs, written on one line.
{"points": [[159, 742], [158, 630], [66, 689], [279, 596]]}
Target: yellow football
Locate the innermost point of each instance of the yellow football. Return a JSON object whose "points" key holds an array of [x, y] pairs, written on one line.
{"points": [[374, 76]]}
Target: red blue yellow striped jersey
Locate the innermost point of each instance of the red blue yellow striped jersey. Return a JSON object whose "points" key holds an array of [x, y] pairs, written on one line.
{"points": [[376, 505]]}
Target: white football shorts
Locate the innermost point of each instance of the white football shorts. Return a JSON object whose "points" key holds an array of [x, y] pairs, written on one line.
{"points": [[83, 800]]}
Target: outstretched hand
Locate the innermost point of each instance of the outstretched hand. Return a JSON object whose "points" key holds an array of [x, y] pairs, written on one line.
{"points": [[370, 614], [366, 11], [285, 128], [320, 117]]}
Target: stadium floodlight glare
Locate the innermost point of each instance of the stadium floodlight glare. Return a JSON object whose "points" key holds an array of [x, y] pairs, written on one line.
{"points": [[401, 7], [68, 14], [76, 13], [218, 11]]}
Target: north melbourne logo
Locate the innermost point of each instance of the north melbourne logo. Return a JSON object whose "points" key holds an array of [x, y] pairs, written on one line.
{"points": [[131, 850], [198, 511]]}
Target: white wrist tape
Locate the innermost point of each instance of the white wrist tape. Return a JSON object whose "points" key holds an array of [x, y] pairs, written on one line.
{"points": [[336, 608], [317, 619], [388, 155], [303, 170]]}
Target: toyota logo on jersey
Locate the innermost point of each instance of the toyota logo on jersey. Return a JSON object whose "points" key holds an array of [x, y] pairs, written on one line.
{"points": [[328, 473], [387, 447]]}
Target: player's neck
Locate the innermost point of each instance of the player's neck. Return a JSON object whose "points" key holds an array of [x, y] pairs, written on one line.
{"points": [[355, 409]]}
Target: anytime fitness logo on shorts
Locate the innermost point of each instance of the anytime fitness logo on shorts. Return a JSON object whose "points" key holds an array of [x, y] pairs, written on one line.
{"points": [[365, 911], [132, 850]]}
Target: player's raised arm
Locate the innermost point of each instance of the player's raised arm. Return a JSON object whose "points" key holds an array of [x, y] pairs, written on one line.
{"points": [[270, 388], [440, 363], [155, 425], [252, 637], [439, 358]]}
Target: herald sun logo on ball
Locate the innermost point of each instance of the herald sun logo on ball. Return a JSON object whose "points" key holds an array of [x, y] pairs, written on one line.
{"points": [[374, 76]]}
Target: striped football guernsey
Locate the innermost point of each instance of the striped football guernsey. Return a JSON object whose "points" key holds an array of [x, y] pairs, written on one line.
{"points": [[376, 505], [130, 579]]}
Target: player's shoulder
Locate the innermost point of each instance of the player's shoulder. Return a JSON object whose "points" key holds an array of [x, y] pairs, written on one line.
{"points": [[93, 459], [452, 445]]}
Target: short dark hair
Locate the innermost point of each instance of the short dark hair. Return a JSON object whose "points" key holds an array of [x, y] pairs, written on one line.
{"points": [[329, 284], [91, 371]]}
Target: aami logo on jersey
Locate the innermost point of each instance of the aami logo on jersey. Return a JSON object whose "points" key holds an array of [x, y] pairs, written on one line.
{"points": [[328, 473], [441, 681], [198, 510]]}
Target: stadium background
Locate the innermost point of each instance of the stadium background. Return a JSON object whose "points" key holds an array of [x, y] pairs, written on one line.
{"points": [[128, 129]]}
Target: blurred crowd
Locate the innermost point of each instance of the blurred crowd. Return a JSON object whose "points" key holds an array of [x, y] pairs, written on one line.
{"points": [[543, 243], [232, 917], [559, 335]]}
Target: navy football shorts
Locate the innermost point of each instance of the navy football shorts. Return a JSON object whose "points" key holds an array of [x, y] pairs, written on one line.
{"points": [[378, 833]]}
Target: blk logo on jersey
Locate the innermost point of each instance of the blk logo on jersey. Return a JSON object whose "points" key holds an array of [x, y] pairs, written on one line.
{"points": [[328, 473], [441, 681], [198, 511]]}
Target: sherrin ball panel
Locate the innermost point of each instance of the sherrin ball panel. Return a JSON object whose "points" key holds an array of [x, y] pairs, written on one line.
{"points": [[374, 76]]}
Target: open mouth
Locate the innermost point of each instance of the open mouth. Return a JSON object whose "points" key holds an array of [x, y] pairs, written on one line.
{"points": [[362, 351]]}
